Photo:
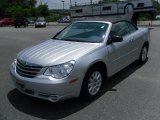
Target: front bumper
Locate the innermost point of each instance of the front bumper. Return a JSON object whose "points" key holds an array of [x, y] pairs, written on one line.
{"points": [[40, 25], [45, 87]]}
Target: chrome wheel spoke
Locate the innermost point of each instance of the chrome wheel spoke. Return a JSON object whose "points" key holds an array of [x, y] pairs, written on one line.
{"points": [[90, 89], [89, 85], [98, 76]]}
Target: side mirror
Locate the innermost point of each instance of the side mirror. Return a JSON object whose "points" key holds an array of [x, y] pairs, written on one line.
{"points": [[114, 39]]}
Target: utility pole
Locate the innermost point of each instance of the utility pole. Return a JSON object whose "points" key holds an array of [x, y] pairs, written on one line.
{"points": [[91, 2], [70, 7], [63, 6], [70, 3], [91, 5], [100, 6]]}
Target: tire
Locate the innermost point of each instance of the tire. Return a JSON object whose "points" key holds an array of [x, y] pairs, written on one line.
{"points": [[92, 83], [143, 55]]}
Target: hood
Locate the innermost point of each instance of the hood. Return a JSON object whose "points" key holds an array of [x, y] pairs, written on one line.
{"points": [[54, 52]]}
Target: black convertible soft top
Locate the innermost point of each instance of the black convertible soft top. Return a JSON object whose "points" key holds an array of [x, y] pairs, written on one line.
{"points": [[112, 20]]}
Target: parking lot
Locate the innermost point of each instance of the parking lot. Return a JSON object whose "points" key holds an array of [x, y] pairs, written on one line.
{"points": [[132, 94]]}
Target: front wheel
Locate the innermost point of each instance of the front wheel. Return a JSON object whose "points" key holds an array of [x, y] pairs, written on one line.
{"points": [[144, 55], [92, 83]]}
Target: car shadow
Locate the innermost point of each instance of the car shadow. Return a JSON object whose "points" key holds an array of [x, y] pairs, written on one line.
{"points": [[48, 110]]}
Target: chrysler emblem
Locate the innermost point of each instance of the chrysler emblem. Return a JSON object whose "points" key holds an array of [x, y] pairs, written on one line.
{"points": [[25, 63]]}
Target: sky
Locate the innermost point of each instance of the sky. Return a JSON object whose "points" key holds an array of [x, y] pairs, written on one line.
{"points": [[57, 4]]}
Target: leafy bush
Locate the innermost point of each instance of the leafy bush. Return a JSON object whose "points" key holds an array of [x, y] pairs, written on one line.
{"points": [[53, 18]]}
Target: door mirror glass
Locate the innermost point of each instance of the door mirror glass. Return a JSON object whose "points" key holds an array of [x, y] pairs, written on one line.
{"points": [[114, 39]]}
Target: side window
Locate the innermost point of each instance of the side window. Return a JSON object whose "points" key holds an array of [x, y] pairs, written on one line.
{"points": [[118, 29], [107, 8], [140, 5], [79, 11], [122, 29], [130, 28]]}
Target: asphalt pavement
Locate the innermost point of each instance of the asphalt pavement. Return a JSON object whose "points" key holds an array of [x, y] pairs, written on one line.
{"points": [[132, 94]]}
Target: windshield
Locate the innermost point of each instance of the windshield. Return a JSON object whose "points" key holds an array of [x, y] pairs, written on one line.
{"points": [[40, 21], [93, 32]]}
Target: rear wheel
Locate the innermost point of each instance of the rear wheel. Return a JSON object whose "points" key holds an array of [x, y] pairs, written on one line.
{"points": [[144, 55], [92, 83]]}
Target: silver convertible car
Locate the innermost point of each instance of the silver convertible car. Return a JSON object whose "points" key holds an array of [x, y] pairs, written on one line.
{"points": [[78, 59]]}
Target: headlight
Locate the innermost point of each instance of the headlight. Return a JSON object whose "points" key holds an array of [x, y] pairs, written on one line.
{"points": [[60, 71]]}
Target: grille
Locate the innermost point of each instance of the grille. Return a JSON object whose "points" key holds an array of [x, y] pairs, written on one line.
{"points": [[27, 70]]}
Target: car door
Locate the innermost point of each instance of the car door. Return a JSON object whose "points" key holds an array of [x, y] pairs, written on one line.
{"points": [[119, 53], [134, 39], [7, 21]]}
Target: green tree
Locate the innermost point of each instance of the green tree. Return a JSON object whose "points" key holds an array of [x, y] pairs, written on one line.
{"points": [[3, 5], [26, 12], [43, 9], [34, 12], [14, 8], [156, 4], [32, 3], [14, 11], [8, 12]]}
